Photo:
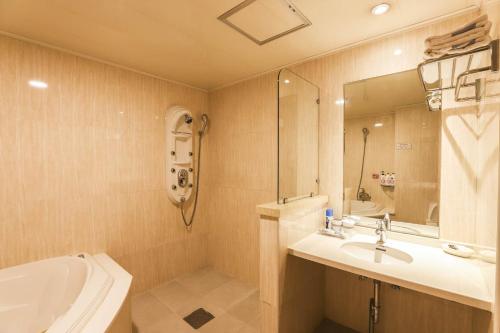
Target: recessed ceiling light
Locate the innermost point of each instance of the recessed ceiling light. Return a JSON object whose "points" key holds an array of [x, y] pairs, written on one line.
{"points": [[381, 9], [378, 125], [286, 81], [339, 102], [38, 84], [398, 52]]}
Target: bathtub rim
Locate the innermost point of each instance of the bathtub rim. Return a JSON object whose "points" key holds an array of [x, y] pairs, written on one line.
{"points": [[109, 308]]}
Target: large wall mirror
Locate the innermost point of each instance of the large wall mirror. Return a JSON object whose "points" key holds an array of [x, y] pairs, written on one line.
{"points": [[298, 137], [391, 154]]}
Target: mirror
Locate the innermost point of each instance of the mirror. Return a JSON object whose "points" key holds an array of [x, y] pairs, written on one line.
{"points": [[391, 154], [298, 131]]}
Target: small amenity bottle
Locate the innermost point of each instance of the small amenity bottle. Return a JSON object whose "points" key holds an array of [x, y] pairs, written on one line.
{"points": [[328, 218]]}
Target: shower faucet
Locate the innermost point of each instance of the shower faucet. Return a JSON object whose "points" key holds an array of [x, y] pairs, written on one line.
{"points": [[363, 195]]}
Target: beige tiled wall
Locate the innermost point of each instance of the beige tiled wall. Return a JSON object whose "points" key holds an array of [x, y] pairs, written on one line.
{"points": [[242, 163], [82, 165]]}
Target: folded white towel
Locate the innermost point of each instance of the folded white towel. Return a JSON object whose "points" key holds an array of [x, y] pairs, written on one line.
{"points": [[473, 35], [459, 48], [477, 23], [462, 38]]}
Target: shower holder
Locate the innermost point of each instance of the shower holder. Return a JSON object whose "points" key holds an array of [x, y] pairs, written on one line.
{"points": [[452, 80]]}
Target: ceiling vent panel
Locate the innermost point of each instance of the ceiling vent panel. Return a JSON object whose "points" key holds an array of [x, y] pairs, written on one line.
{"points": [[263, 21]]}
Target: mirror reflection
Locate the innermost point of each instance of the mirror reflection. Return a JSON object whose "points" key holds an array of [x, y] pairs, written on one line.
{"points": [[391, 154]]}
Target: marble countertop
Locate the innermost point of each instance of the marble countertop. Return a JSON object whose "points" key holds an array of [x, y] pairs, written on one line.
{"points": [[466, 281], [276, 210]]}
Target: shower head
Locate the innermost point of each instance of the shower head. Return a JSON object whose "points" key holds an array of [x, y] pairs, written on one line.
{"points": [[204, 124], [365, 133]]}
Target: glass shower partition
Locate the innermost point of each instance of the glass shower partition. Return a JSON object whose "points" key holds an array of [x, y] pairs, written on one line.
{"points": [[298, 137]]}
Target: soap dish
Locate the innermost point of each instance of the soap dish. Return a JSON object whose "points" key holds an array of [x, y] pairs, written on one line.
{"points": [[348, 223], [488, 256], [457, 250]]}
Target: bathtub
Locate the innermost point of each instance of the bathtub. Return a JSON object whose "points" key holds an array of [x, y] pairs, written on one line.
{"points": [[80, 293]]}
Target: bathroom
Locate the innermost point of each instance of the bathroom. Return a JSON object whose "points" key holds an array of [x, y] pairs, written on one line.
{"points": [[263, 106]]}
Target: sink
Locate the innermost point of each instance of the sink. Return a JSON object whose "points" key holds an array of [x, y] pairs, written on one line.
{"points": [[386, 255]]}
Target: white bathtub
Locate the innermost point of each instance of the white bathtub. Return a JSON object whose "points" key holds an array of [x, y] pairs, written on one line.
{"points": [[66, 294]]}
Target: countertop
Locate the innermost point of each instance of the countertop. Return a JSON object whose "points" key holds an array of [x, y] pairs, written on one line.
{"points": [[276, 210], [466, 281]]}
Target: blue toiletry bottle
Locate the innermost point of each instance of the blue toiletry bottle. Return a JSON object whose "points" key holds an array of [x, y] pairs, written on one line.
{"points": [[328, 217]]}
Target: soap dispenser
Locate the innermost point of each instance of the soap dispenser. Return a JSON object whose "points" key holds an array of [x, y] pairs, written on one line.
{"points": [[382, 178]]}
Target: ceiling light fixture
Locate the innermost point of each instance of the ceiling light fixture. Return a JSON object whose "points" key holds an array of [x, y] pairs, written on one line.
{"points": [[339, 102], [398, 52], [286, 81], [378, 125], [381, 9], [38, 84]]}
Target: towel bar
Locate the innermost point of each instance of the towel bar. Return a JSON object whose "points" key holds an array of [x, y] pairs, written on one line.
{"points": [[435, 88]]}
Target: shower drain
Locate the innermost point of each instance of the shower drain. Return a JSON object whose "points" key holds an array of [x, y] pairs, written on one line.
{"points": [[198, 318]]}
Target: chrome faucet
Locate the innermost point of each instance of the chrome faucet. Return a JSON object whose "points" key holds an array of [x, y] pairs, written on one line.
{"points": [[387, 221], [383, 226]]}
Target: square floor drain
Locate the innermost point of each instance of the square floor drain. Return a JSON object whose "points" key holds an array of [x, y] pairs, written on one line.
{"points": [[198, 318]]}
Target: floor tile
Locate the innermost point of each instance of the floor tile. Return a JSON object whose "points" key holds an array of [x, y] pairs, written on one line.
{"points": [[222, 324], [256, 323], [195, 303], [204, 281], [248, 309], [247, 329], [169, 324], [173, 295], [235, 305], [147, 309], [229, 294]]}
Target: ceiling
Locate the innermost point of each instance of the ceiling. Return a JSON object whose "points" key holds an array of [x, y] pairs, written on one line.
{"points": [[185, 42], [383, 94]]}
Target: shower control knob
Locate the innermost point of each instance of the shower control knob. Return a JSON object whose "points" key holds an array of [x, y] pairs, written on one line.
{"points": [[172, 170], [190, 185], [190, 169], [190, 153], [172, 153], [174, 187]]}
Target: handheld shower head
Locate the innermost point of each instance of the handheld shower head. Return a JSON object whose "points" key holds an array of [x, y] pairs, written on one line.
{"points": [[365, 133], [204, 124]]}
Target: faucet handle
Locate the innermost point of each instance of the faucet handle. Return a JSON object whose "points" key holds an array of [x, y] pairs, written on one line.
{"points": [[381, 225], [387, 221]]}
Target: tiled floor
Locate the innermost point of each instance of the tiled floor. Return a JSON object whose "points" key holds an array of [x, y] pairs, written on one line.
{"points": [[234, 304]]}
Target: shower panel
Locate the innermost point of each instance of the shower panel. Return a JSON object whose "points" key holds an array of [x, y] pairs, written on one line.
{"points": [[180, 158], [179, 123]]}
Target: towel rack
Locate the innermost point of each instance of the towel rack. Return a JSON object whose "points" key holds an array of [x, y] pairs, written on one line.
{"points": [[444, 73]]}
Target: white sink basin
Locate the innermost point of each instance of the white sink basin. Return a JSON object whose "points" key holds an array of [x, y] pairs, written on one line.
{"points": [[376, 253]]}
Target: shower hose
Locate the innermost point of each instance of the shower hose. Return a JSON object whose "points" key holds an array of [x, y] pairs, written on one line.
{"points": [[362, 170], [189, 222]]}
